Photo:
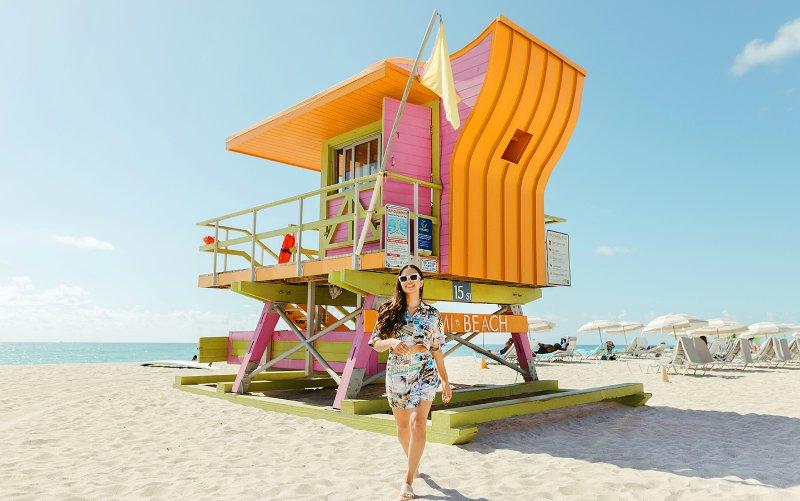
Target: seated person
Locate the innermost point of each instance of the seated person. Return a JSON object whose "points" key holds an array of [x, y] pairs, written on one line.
{"points": [[542, 348], [504, 349]]}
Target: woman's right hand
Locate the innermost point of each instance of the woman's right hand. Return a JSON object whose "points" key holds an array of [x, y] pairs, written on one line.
{"points": [[399, 347]]}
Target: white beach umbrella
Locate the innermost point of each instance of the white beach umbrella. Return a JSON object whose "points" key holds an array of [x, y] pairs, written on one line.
{"points": [[765, 329], [624, 327], [673, 323], [794, 329], [536, 324], [597, 325], [718, 327]]}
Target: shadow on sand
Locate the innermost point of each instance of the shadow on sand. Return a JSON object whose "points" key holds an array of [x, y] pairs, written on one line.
{"points": [[693, 443]]}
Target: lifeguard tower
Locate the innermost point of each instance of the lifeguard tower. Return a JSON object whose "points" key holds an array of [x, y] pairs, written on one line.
{"points": [[398, 184]]}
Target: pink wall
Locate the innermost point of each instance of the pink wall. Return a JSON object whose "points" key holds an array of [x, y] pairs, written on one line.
{"points": [[410, 154], [469, 71]]}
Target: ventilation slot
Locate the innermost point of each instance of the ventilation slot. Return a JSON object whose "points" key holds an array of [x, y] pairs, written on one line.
{"points": [[516, 146]]}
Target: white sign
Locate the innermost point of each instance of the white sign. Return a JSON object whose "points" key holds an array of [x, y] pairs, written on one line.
{"points": [[397, 248], [429, 264], [557, 258]]}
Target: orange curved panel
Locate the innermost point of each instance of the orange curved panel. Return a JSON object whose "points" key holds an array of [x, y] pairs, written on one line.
{"points": [[532, 94]]}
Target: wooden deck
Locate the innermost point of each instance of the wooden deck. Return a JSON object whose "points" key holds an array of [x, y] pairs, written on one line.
{"points": [[291, 392]]}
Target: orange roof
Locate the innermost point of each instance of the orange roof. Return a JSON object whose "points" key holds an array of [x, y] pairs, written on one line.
{"points": [[295, 136]]}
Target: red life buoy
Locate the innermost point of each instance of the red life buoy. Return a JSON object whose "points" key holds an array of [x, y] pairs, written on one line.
{"points": [[286, 249]]}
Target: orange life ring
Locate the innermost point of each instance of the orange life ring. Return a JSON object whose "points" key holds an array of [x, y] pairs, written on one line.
{"points": [[286, 249]]}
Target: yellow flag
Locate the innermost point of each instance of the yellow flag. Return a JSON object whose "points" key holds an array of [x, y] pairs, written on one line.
{"points": [[438, 77]]}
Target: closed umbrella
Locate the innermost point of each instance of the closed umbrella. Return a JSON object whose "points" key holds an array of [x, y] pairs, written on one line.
{"points": [[597, 325], [623, 328]]}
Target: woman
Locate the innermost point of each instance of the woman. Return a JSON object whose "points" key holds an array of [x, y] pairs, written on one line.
{"points": [[412, 332]]}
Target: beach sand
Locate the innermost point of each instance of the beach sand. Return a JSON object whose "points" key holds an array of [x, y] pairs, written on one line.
{"points": [[120, 431]]}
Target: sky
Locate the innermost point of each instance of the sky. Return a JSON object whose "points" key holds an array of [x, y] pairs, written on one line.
{"points": [[679, 183]]}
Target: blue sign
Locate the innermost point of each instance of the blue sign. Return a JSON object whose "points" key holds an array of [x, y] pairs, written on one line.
{"points": [[424, 235]]}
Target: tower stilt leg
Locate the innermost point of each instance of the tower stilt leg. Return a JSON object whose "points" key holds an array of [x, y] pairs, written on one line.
{"points": [[358, 360], [262, 337]]}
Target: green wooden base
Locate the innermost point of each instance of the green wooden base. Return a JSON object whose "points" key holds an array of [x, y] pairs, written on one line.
{"points": [[287, 384], [452, 424]]}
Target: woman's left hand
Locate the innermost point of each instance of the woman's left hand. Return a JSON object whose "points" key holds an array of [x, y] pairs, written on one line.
{"points": [[447, 392]]}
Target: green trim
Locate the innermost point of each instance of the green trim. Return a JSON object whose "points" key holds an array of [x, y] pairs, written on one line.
{"points": [[293, 294], [481, 413], [436, 169], [327, 164], [378, 423], [288, 384], [383, 284], [374, 406], [219, 378]]}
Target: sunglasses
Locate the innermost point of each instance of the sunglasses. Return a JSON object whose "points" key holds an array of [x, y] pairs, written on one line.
{"points": [[404, 278]]}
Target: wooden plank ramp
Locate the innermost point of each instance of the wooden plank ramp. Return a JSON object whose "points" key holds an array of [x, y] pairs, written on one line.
{"points": [[453, 424]]}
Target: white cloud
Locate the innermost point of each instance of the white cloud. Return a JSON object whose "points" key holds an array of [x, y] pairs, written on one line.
{"points": [[83, 242], [605, 250], [756, 52], [68, 313]]}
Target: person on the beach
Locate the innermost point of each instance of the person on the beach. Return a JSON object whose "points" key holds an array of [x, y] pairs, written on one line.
{"points": [[504, 349], [412, 332]]}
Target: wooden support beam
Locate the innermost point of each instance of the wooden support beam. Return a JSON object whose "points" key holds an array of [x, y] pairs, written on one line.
{"points": [[291, 294], [383, 284], [378, 405], [287, 384], [481, 413], [229, 378]]}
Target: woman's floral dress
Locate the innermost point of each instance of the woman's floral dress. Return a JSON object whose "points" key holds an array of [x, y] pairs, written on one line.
{"points": [[413, 378]]}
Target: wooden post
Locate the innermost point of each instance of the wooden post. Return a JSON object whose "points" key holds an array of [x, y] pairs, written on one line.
{"points": [[262, 337], [357, 361]]}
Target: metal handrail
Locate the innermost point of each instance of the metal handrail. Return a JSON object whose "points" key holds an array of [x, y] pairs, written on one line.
{"points": [[255, 238]]}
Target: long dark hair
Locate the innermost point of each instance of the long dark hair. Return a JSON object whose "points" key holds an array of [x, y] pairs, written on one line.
{"points": [[391, 313]]}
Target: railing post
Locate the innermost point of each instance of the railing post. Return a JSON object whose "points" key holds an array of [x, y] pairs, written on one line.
{"points": [[416, 224], [216, 245], [225, 256], [356, 206], [253, 250], [299, 242]]}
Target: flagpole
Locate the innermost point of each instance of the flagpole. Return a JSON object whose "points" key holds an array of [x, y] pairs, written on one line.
{"points": [[379, 180]]}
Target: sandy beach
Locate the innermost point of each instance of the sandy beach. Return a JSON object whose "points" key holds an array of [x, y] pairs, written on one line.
{"points": [[120, 431]]}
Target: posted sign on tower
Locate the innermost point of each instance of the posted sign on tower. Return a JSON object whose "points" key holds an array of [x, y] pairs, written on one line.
{"points": [[558, 272]]}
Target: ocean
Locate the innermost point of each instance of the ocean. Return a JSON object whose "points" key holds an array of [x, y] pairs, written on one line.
{"points": [[85, 353]]}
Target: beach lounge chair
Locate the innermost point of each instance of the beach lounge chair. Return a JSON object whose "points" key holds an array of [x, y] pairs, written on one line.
{"points": [[686, 357], [593, 354], [794, 347], [767, 356], [654, 352], [633, 349], [736, 357], [509, 356], [783, 352], [562, 355], [715, 349]]}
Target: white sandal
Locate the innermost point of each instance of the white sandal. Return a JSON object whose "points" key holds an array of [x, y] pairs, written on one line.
{"points": [[406, 492]]}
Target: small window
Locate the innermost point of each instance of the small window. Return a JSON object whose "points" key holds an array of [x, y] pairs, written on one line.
{"points": [[356, 160], [516, 146]]}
